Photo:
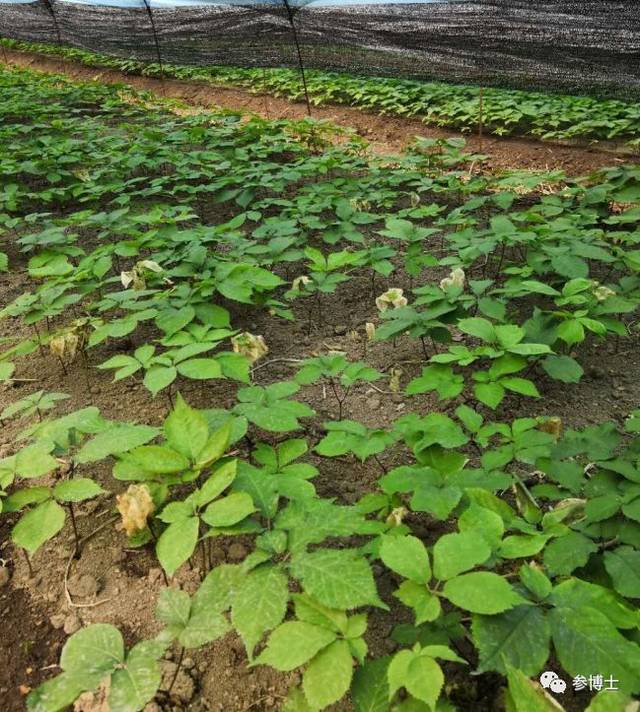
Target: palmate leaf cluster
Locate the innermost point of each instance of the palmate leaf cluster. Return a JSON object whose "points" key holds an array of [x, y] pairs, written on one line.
{"points": [[533, 542], [505, 111]]}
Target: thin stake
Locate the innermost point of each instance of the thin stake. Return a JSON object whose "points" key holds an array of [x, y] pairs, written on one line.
{"points": [[481, 117], [290, 15]]}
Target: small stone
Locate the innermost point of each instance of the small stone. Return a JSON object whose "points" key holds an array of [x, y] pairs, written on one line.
{"points": [[155, 574], [236, 552], [72, 624], [595, 372], [188, 663], [5, 576], [340, 330], [83, 586], [57, 621], [373, 403]]}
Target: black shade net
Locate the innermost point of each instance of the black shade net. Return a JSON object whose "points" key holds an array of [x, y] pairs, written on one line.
{"points": [[564, 45]]}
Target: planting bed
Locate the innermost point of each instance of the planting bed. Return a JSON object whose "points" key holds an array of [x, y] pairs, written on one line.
{"points": [[418, 490]]}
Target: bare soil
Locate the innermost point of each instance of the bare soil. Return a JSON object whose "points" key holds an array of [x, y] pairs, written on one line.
{"points": [[111, 583]]}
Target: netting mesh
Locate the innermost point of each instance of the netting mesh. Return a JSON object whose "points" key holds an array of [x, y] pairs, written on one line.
{"points": [[526, 43]]}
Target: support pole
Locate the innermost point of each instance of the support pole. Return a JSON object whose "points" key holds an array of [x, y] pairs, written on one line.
{"points": [[290, 16], [156, 42], [49, 6]]}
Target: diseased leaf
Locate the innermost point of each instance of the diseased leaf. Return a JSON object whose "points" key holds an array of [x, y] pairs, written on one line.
{"points": [[623, 565], [135, 684], [519, 637], [585, 639], [95, 650]]}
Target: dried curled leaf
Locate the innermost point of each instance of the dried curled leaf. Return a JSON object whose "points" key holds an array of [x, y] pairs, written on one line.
{"points": [[250, 345], [553, 426], [135, 277], [300, 281], [602, 293], [397, 516], [135, 506], [455, 279], [393, 297], [394, 380], [70, 341]]}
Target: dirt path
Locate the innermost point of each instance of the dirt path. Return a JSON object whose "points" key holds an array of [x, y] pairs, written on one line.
{"points": [[387, 134]]}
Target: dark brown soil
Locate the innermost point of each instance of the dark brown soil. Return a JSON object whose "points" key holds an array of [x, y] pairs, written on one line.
{"points": [[386, 134], [30, 646]]}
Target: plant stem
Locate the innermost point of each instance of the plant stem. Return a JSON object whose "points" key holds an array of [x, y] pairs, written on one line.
{"points": [[203, 554], [175, 674], [72, 514], [526, 491], [155, 539], [382, 467], [28, 560]]}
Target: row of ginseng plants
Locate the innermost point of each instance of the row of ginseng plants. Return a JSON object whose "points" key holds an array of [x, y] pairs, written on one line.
{"points": [[504, 112], [141, 228]]}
